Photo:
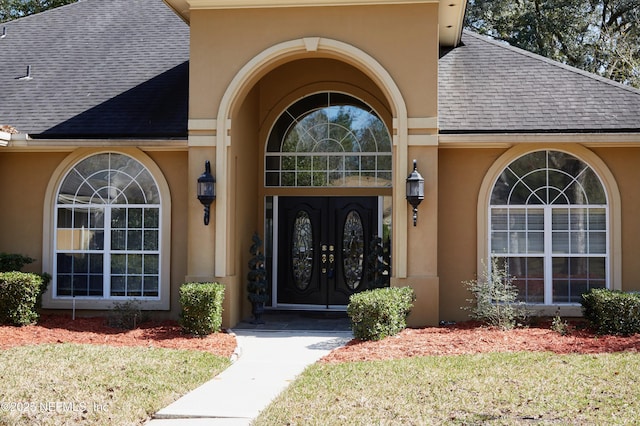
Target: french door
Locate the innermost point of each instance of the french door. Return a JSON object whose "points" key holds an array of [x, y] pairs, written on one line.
{"points": [[323, 244]]}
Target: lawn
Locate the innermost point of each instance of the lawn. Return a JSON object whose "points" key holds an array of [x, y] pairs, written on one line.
{"points": [[55, 384], [520, 388]]}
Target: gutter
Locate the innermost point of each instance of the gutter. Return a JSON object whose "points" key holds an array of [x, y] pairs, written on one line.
{"points": [[506, 140]]}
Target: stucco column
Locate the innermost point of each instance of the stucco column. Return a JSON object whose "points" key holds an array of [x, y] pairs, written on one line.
{"points": [[421, 241]]}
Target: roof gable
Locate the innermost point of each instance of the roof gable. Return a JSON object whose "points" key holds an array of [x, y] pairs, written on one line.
{"points": [[97, 69], [490, 87]]}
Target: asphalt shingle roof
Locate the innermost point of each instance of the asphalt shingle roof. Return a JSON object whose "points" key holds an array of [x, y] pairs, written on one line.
{"points": [[99, 68], [487, 86]]}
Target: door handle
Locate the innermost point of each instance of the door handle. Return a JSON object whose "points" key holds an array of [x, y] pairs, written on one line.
{"points": [[323, 258], [332, 259]]}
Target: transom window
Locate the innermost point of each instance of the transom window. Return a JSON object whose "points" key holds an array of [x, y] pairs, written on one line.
{"points": [[549, 221], [329, 139], [107, 235]]}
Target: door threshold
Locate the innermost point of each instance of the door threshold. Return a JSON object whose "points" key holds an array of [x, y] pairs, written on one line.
{"points": [[278, 319], [308, 308]]}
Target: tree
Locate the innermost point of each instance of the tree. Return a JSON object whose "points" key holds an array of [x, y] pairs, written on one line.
{"points": [[14, 9], [599, 36]]}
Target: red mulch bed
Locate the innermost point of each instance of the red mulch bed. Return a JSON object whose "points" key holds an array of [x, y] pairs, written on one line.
{"points": [[463, 338], [471, 338], [62, 329]]}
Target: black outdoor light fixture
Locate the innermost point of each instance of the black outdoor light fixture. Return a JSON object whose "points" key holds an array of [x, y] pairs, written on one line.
{"points": [[206, 190], [415, 190]]}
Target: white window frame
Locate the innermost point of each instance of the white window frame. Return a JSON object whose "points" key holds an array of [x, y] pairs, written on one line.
{"points": [[614, 221], [159, 302]]}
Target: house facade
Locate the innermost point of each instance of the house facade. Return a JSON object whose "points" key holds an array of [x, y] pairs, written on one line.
{"points": [[311, 115]]}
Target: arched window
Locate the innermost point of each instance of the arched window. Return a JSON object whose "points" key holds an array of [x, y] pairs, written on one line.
{"points": [[328, 139], [107, 230], [548, 219]]}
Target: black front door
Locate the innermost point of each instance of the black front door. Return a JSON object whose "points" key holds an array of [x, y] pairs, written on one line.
{"points": [[322, 248]]}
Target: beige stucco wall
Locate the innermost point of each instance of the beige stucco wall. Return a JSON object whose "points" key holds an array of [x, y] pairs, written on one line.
{"points": [[460, 173], [23, 182], [173, 166], [403, 38], [623, 163]]}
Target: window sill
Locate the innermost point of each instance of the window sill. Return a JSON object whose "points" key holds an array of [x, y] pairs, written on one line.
{"points": [[573, 310], [101, 304]]}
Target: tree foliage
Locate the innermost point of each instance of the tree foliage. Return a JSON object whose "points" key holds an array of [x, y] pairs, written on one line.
{"points": [[599, 36], [14, 9]]}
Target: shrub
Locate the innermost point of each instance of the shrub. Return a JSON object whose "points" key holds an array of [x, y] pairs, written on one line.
{"points": [[13, 262], [201, 307], [612, 311], [19, 292], [127, 315], [495, 298], [378, 313], [560, 326]]}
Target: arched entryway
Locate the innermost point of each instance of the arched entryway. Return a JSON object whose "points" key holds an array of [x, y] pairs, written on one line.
{"points": [[235, 143]]}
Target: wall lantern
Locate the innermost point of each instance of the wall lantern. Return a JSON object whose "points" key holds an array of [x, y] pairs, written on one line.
{"points": [[415, 190], [206, 190]]}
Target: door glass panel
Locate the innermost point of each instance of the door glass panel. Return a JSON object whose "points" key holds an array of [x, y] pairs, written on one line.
{"points": [[353, 249], [302, 250]]}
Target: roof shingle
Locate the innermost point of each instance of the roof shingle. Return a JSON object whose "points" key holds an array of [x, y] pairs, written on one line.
{"points": [[99, 68], [490, 87]]}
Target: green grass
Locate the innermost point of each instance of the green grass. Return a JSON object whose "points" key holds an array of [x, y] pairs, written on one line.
{"points": [[96, 385], [489, 389]]}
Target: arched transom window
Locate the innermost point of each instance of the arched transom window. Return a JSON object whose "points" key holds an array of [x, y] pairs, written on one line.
{"points": [[328, 139], [549, 221], [107, 236]]}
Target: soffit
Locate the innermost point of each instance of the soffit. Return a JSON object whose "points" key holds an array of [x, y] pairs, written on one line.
{"points": [[450, 17]]}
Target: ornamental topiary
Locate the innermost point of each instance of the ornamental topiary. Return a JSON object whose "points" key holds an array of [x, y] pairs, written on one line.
{"points": [[257, 286]]}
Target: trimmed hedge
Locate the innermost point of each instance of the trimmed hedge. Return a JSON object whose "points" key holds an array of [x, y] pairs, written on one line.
{"points": [[612, 311], [19, 294], [378, 313], [201, 307]]}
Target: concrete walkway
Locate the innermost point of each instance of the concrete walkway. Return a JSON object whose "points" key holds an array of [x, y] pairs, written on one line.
{"points": [[267, 361]]}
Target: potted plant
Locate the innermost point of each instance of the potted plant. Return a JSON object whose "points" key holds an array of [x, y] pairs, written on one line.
{"points": [[257, 280]]}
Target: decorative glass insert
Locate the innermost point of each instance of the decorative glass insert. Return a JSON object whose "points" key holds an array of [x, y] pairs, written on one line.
{"points": [[353, 250], [549, 220], [302, 250], [329, 139], [108, 230]]}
